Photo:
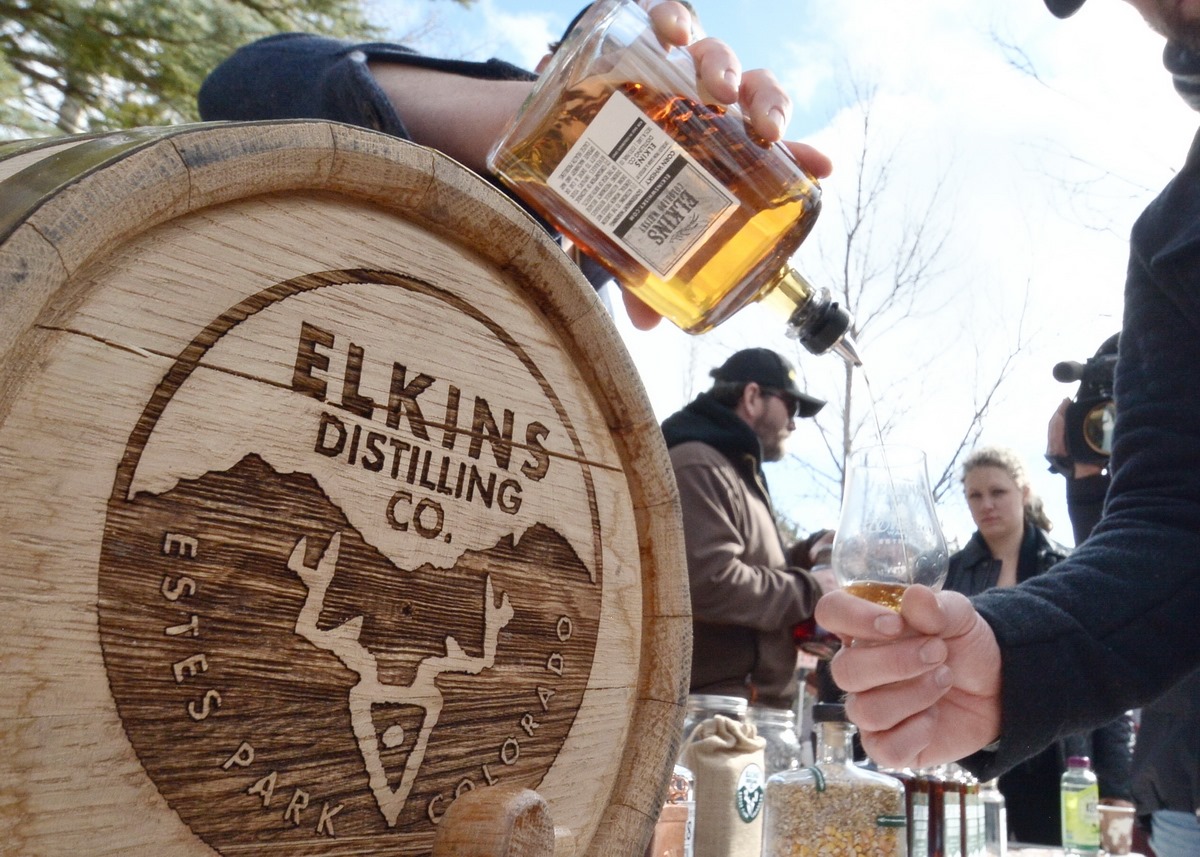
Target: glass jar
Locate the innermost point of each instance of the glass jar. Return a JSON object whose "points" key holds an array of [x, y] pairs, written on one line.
{"points": [[777, 726], [834, 806], [681, 200], [701, 706]]}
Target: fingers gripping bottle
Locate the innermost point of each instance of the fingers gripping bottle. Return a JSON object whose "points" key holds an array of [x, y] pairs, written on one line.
{"points": [[680, 199], [1080, 809]]}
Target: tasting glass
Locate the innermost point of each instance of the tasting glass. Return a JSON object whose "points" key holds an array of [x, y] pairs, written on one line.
{"points": [[888, 536]]}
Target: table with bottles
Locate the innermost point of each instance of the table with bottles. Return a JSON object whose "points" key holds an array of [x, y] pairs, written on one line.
{"points": [[753, 787]]}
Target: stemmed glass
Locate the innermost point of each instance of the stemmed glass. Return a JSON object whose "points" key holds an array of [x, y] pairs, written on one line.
{"points": [[888, 536]]}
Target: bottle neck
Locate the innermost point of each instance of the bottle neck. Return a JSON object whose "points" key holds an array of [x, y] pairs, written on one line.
{"points": [[812, 316], [835, 743]]}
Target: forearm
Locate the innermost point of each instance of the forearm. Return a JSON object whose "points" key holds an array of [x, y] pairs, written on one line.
{"points": [[460, 116], [455, 106], [766, 599]]}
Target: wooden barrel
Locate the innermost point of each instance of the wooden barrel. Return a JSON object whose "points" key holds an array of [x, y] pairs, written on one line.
{"points": [[330, 495]]}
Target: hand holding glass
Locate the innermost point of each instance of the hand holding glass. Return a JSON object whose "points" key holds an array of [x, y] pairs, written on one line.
{"points": [[888, 536]]}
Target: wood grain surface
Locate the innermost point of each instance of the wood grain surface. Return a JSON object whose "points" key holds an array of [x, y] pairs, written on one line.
{"points": [[330, 495]]}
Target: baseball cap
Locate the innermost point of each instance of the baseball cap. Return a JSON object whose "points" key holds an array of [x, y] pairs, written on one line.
{"points": [[1063, 8], [767, 369]]}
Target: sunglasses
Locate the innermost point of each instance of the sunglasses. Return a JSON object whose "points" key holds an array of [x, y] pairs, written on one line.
{"points": [[790, 402]]}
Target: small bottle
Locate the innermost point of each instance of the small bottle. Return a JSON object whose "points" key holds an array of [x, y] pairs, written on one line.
{"points": [[777, 726], [952, 797], [970, 810], [918, 837], [674, 830], [916, 809], [974, 814], [680, 199], [1080, 809], [937, 813], [834, 806], [995, 820]]}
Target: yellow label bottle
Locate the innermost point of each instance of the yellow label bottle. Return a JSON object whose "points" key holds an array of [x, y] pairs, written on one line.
{"points": [[1080, 809]]}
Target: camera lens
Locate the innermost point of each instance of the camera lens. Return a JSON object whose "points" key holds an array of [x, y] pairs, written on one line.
{"points": [[1098, 427]]}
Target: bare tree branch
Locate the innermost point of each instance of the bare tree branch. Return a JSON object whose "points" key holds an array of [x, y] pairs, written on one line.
{"points": [[884, 269]]}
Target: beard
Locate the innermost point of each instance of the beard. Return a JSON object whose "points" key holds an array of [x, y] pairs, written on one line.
{"points": [[773, 451], [772, 441], [1170, 20]]}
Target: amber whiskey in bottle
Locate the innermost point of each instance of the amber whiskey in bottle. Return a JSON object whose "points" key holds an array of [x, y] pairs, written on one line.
{"points": [[937, 814], [690, 210], [916, 809]]}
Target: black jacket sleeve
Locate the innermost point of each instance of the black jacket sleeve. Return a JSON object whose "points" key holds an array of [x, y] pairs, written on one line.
{"points": [[1115, 625], [1085, 503], [303, 76]]}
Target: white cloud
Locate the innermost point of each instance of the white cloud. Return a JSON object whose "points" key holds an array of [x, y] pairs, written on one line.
{"points": [[484, 29]]}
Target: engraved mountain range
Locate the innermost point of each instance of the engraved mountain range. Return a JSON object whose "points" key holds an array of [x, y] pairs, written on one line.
{"points": [[278, 614]]}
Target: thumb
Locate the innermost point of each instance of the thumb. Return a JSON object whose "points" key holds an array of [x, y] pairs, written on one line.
{"points": [[937, 614]]}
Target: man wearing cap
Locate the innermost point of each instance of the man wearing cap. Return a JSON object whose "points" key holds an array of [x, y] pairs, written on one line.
{"points": [[994, 679], [745, 598]]}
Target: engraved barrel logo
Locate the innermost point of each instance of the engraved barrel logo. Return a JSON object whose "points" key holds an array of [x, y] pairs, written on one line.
{"points": [[351, 568]]}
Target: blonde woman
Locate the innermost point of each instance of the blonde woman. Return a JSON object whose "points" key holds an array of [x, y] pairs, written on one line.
{"points": [[1012, 543]]}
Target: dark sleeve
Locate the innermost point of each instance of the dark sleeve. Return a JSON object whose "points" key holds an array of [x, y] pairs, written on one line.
{"points": [[1116, 624], [302, 76], [1112, 758], [1166, 757], [1085, 503]]}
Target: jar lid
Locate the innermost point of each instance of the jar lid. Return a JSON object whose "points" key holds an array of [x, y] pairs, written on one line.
{"points": [[829, 712], [1079, 762], [717, 704], [767, 715]]}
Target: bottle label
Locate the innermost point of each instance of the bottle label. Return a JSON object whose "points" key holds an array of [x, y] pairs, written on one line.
{"points": [[1081, 820], [974, 816], [638, 186], [689, 831], [953, 822], [749, 795], [920, 826]]}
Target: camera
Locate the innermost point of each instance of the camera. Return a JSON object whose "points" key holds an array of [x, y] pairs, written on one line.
{"points": [[1092, 414]]}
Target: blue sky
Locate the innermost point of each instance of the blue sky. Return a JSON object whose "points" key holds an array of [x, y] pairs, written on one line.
{"points": [[1044, 138]]}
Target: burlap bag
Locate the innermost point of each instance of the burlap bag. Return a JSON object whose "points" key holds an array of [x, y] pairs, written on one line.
{"points": [[726, 758]]}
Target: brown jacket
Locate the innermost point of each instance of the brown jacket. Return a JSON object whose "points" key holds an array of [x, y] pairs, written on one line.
{"points": [[745, 600]]}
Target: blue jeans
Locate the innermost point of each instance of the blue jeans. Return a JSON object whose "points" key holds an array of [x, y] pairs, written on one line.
{"points": [[1175, 834]]}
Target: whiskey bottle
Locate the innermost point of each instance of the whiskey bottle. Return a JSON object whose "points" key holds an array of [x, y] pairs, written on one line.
{"points": [[680, 200]]}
